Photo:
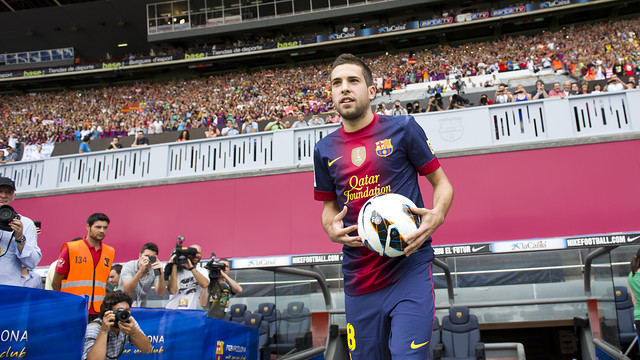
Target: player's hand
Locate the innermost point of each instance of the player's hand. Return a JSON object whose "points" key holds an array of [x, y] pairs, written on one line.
{"points": [[430, 220], [340, 234]]}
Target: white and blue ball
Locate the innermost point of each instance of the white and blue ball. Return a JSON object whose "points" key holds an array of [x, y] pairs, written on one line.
{"points": [[385, 221]]}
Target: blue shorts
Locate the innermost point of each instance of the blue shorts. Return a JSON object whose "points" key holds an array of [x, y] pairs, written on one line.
{"points": [[394, 322]]}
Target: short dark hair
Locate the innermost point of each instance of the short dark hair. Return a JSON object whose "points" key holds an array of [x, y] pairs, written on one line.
{"points": [[97, 217], [113, 298], [86, 138], [150, 246], [351, 59], [117, 268]]}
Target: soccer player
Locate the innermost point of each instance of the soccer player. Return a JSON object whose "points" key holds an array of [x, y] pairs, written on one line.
{"points": [[389, 302]]}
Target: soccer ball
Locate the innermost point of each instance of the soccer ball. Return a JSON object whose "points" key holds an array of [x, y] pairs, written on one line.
{"points": [[384, 221]]}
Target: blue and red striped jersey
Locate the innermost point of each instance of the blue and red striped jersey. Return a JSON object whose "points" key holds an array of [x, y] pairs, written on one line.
{"points": [[386, 156]]}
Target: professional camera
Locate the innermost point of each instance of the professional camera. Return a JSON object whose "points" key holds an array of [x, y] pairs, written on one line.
{"points": [[459, 99], [183, 253], [484, 100], [7, 214], [121, 315], [214, 268]]}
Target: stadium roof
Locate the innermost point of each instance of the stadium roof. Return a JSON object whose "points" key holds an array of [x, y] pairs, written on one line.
{"points": [[17, 5]]}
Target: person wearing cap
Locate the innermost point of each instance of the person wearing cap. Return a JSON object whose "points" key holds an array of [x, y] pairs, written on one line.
{"points": [[18, 240]]}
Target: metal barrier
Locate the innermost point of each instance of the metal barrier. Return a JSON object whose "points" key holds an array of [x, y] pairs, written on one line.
{"points": [[485, 127]]}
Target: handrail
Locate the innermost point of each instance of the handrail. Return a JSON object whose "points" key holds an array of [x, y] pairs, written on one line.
{"points": [[321, 281], [587, 267], [447, 274], [306, 354], [610, 350]]}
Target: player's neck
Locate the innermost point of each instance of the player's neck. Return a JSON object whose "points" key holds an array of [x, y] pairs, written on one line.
{"points": [[357, 124]]}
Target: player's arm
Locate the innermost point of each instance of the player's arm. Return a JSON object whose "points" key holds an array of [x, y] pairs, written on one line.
{"points": [[334, 227], [431, 219], [633, 298]]}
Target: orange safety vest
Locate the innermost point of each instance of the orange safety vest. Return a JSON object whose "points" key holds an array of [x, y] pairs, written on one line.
{"points": [[84, 278], [387, 83]]}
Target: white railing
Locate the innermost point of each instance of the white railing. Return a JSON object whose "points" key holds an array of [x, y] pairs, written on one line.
{"points": [[464, 129]]}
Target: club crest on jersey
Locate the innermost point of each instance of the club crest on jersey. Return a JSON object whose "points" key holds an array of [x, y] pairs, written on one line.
{"points": [[384, 147], [358, 155]]}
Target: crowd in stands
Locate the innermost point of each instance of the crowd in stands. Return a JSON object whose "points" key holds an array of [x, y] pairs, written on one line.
{"points": [[589, 52]]}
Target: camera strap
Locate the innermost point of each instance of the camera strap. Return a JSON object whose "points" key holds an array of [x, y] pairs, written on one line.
{"points": [[8, 245]]}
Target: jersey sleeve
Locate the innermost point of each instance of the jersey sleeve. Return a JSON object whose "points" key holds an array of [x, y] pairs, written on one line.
{"points": [[419, 150], [324, 188]]}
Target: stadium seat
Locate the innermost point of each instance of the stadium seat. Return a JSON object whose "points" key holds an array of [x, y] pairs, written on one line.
{"points": [[256, 321], [624, 311], [461, 336], [238, 313], [435, 346], [272, 316], [294, 333]]}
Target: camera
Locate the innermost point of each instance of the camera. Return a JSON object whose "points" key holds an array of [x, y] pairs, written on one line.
{"points": [[183, 253], [7, 214], [215, 268], [121, 315], [484, 100]]}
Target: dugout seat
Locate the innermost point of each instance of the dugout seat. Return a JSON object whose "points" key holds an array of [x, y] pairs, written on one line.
{"points": [[238, 312], [461, 336], [256, 321], [294, 332], [624, 311], [271, 315]]}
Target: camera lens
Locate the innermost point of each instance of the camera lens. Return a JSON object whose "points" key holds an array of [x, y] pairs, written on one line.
{"points": [[122, 315]]}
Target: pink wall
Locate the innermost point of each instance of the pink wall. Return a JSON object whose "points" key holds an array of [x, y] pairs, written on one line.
{"points": [[516, 195]]}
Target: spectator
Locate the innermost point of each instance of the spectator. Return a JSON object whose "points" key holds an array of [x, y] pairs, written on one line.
{"points": [[84, 145], [568, 89], [249, 126], [614, 84], [114, 278], [10, 155], [315, 119], [140, 139], [71, 277], [212, 132], [184, 136], [37, 155], [557, 91], [30, 278], [416, 108], [114, 144], [300, 122], [231, 129], [397, 109], [521, 94], [540, 92], [597, 88], [18, 239], [139, 276], [276, 124], [584, 88], [484, 100], [502, 95], [435, 103]]}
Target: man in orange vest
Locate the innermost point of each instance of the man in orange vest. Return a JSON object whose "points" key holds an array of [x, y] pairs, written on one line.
{"points": [[84, 265]]}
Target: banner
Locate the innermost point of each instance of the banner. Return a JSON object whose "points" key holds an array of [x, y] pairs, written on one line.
{"points": [[436, 22], [554, 3], [508, 10], [41, 324], [472, 16], [190, 334]]}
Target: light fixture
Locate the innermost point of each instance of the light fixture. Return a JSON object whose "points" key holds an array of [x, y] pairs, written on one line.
{"points": [[123, 45]]}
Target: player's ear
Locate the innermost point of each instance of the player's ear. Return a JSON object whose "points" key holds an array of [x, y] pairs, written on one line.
{"points": [[372, 92]]}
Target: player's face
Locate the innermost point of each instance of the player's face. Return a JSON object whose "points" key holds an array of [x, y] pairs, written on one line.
{"points": [[350, 93]]}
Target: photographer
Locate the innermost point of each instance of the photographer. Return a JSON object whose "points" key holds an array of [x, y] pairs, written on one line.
{"points": [[484, 100], [614, 84], [521, 94], [457, 102], [398, 109], [18, 238], [138, 276], [216, 299], [435, 103], [276, 124], [107, 335], [502, 95], [186, 279], [540, 92]]}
